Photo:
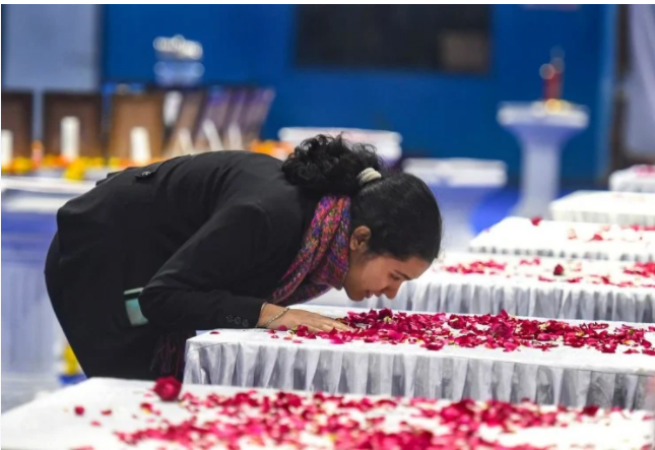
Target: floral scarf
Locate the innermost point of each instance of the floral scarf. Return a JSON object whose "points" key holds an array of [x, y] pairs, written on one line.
{"points": [[322, 261]]}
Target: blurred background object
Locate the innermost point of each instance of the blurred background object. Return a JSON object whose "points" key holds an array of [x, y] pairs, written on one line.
{"points": [[634, 125], [460, 185], [492, 105], [387, 143], [542, 128], [435, 74]]}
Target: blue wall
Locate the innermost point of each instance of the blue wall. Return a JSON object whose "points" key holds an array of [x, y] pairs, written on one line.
{"points": [[50, 47], [437, 114]]}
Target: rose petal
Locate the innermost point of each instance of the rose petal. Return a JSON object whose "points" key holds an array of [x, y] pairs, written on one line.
{"points": [[168, 388]]}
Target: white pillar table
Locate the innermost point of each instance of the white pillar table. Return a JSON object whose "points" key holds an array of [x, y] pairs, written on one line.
{"points": [[459, 185], [520, 236], [387, 143], [542, 129], [563, 375]]}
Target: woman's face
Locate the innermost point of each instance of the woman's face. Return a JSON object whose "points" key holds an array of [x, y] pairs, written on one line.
{"points": [[374, 275]]}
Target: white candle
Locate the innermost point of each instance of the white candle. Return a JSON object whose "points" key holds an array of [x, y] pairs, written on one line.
{"points": [[213, 137], [234, 136], [70, 138], [140, 146], [184, 139], [172, 103], [7, 147]]}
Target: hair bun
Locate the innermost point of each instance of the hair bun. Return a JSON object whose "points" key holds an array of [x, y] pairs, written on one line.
{"points": [[330, 165]]}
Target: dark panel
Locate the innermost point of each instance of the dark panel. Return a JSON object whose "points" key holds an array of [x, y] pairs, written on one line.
{"points": [[433, 37]]}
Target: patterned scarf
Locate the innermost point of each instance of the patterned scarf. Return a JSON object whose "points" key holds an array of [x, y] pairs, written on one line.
{"points": [[322, 261], [321, 264]]}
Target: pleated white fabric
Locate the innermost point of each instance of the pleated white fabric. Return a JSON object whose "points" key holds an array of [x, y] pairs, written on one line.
{"points": [[574, 377], [517, 236], [622, 208], [633, 180]]}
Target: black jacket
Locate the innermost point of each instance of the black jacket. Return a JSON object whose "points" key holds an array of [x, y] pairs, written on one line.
{"points": [[207, 237]]}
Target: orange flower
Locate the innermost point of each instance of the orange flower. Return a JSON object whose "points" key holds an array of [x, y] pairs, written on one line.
{"points": [[19, 166]]}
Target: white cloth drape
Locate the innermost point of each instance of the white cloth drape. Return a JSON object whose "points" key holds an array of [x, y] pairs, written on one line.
{"points": [[516, 236], [634, 179], [569, 376], [50, 424], [622, 208], [32, 339]]}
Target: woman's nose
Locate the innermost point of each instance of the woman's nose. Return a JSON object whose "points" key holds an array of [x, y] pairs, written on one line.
{"points": [[391, 292]]}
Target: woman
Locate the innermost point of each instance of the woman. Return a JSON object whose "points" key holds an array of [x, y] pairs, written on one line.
{"points": [[228, 240]]}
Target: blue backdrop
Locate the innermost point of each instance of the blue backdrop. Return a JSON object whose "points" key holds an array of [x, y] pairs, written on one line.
{"points": [[437, 114]]}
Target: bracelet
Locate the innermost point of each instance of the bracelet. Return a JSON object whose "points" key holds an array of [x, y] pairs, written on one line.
{"points": [[275, 318]]}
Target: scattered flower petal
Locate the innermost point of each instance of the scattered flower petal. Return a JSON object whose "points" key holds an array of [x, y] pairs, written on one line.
{"points": [[168, 388]]}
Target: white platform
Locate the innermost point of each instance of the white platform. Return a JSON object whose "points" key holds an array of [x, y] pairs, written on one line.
{"points": [[50, 423], [622, 208], [639, 178], [518, 236], [565, 375]]}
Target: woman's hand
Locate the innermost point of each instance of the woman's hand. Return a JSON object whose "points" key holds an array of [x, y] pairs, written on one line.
{"points": [[294, 317]]}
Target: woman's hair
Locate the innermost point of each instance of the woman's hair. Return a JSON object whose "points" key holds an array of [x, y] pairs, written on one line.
{"points": [[399, 209]]}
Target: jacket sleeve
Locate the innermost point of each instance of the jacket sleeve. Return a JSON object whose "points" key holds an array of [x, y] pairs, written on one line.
{"points": [[188, 292]]}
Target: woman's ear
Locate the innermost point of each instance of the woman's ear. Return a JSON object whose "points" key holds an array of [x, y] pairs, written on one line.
{"points": [[359, 238]]}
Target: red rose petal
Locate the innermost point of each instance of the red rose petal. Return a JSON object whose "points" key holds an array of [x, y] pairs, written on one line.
{"points": [[168, 388], [283, 418], [147, 407], [591, 410], [435, 346], [495, 332], [79, 410]]}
